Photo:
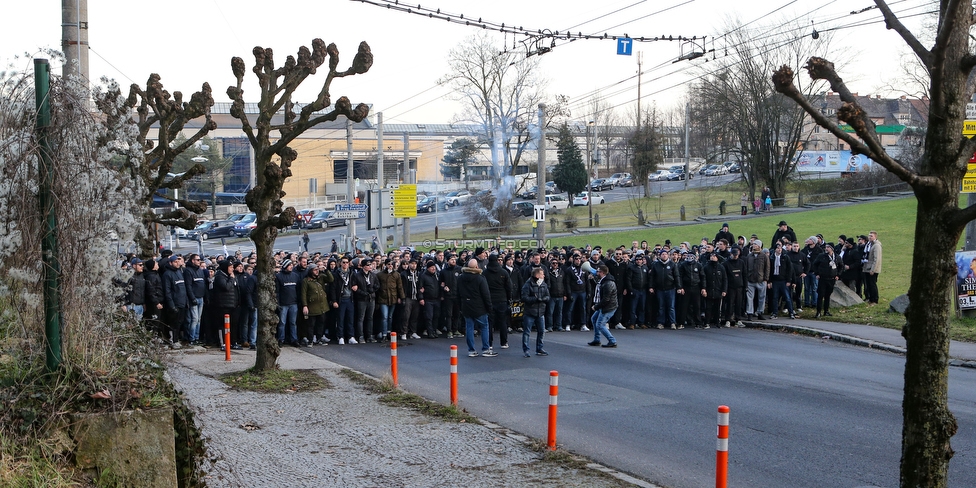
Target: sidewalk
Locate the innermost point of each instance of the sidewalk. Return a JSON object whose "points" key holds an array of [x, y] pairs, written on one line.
{"points": [[961, 353], [344, 437]]}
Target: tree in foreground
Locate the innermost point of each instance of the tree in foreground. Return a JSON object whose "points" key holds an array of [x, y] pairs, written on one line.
{"points": [[927, 423], [272, 160], [168, 114], [569, 173]]}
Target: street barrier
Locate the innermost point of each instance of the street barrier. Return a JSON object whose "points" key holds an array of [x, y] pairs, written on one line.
{"points": [[722, 450], [454, 386], [226, 337], [393, 359], [553, 394]]}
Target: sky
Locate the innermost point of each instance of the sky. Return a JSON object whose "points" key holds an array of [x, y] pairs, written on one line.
{"points": [[189, 42]]}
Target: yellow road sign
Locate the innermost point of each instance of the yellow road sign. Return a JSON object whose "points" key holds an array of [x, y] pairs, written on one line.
{"points": [[969, 128]]}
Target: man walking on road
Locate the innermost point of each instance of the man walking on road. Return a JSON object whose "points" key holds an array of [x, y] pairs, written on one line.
{"points": [[872, 268], [535, 296], [604, 305]]}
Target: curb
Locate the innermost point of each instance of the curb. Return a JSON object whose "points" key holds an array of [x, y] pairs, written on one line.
{"points": [[855, 341]]}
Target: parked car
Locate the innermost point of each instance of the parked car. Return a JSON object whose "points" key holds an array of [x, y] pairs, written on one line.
{"points": [[533, 192], [556, 202], [323, 219], [626, 181], [680, 168], [459, 197], [735, 168], [244, 227], [584, 199], [716, 170], [214, 228], [601, 184], [659, 175], [236, 217], [427, 205], [525, 209], [615, 178], [676, 175]]}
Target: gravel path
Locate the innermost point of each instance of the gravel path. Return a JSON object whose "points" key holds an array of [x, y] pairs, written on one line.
{"points": [[344, 437]]}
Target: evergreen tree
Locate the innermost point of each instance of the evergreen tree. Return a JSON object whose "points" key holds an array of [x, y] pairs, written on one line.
{"points": [[646, 143], [570, 173], [456, 158]]}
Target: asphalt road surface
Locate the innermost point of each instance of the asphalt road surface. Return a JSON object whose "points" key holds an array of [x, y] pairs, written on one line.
{"points": [[804, 413]]}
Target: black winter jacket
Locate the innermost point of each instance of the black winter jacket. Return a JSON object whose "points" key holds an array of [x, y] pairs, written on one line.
{"points": [[605, 295], [224, 293], [473, 293], [499, 283], [535, 297], [716, 282], [664, 276]]}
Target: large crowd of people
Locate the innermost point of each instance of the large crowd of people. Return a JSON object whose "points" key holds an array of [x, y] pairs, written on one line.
{"points": [[352, 298]]}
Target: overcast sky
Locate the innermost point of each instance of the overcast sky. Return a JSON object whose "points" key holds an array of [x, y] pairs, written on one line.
{"points": [[189, 42]]}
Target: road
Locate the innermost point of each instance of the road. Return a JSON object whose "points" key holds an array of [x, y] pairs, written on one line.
{"points": [[804, 413], [423, 223]]}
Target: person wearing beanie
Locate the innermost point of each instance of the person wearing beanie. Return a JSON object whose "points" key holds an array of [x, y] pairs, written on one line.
{"points": [[226, 298], [431, 289], [851, 257], [725, 234], [734, 303], [287, 282], [501, 292]]}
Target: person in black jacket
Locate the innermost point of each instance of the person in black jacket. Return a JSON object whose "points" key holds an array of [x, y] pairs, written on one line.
{"points": [[637, 280], [135, 297], [154, 296], [692, 278], [365, 285], [450, 307], [177, 296], [735, 302], [852, 255], [665, 282], [604, 305], [557, 294], [827, 267], [287, 282], [248, 285], [780, 278], [576, 287], [800, 266], [714, 289], [535, 296], [475, 305], [501, 293], [430, 287], [783, 231], [226, 300], [725, 234]]}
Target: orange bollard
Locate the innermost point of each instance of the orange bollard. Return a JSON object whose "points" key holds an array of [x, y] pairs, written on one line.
{"points": [[393, 359], [227, 337], [454, 395], [553, 394], [722, 451]]}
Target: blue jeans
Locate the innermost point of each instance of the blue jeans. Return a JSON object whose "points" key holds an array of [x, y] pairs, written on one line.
{"points": [[528, 322], [600, 320], [195, 312], [574, 298], [779, 288], [482, 322], [386, 318], [252, 325], [347, 316], [138, 310], [810, 283], [665, 306], [554, 313], [638, 300], [287, 316]]}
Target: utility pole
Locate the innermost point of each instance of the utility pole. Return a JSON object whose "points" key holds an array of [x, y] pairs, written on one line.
{"points": [[589, 177], [639, 58], [74, 39], [541, 172], [409, 177], [380, 232], [687, 161], [350, 184]]}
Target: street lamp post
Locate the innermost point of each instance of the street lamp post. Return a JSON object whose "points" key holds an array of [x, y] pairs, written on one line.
{"points": [[589, 170]]}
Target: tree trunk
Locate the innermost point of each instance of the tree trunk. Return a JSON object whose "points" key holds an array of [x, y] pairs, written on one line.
{"points": [[927, 423], [267, 356]]}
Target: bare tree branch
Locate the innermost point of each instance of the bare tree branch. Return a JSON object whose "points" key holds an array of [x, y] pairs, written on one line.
{"points": [[892, 22]]}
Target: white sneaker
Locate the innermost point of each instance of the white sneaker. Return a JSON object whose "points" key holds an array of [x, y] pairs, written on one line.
{"points": [[568, 329], [342, 341], [414, 336], [584, 329], [352, 340], [619, 326]]}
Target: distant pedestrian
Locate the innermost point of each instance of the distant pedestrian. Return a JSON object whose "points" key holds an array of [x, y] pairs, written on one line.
{"points": [[871, 268]]}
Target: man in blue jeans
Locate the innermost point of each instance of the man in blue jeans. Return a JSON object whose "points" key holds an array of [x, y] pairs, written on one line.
{"points": [[604, 305], [664, 283], [475, 305], [535, 297], [286, 286]]}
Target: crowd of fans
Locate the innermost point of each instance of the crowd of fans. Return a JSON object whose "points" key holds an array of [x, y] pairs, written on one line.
{"points": [[352, 298]]}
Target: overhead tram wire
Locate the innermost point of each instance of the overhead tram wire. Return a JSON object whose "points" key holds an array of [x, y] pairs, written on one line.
{"points": [[772, 32]]}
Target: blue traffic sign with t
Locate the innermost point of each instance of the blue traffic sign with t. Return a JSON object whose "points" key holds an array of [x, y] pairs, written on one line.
{"points": [[625, 46]]}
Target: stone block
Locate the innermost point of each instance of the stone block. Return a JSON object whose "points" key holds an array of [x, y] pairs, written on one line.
{"points": [[899, 304], [132, 448], [843, 296]]}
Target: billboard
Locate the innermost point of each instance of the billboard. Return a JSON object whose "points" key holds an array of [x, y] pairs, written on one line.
{"points": [[831, 162], [966, 279]]}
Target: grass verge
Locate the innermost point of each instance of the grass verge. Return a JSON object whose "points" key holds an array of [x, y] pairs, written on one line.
{"points": [[399, 398], [276, 381]]}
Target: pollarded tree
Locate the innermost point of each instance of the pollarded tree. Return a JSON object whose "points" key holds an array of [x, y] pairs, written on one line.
{"points": [[570, 173], [155, 107], [272, 160], [927, 423]]}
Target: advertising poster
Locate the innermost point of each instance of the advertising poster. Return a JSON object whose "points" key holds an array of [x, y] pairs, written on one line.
{"points": [[966, 279], [831, 162]]}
